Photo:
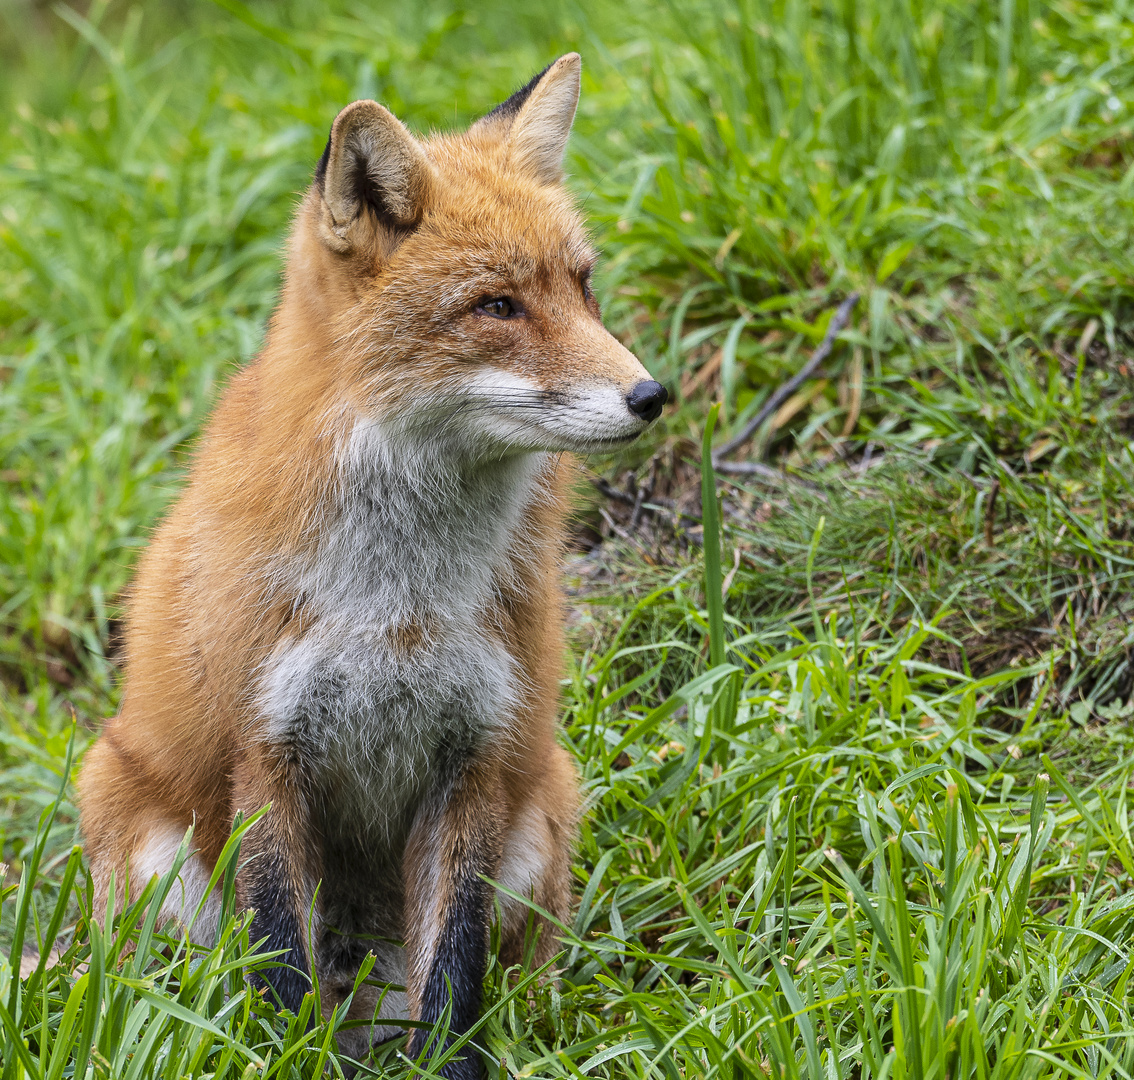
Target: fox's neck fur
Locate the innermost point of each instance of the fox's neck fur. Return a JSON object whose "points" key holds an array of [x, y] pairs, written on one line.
{"points": [[419, 533], [408, 521]]}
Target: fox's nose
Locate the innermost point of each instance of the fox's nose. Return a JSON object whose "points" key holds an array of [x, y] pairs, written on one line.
{"points": [[646, 399]]}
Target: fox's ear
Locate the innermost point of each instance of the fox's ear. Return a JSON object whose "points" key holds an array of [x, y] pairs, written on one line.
{"points": [[372, 172], [538, 118]]}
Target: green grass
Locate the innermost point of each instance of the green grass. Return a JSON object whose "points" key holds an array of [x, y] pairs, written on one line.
{"points": [[868, 816]]}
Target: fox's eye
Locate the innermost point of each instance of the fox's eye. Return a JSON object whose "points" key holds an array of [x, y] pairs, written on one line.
{"points": [[587, 294], [500, 308]]}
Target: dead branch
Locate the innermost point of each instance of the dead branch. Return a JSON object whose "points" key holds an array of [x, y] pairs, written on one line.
{"points": [[785, 390]]}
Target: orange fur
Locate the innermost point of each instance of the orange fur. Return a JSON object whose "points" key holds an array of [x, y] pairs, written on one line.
{"points": [[381, 319]]}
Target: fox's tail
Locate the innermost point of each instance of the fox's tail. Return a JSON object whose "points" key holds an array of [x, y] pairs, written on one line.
{"points": [[29, 960]]}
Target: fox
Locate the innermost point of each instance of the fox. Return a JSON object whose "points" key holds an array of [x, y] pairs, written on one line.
{"points": [[351, 615]]}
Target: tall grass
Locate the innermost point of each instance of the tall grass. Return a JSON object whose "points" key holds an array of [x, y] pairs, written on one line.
{"points": [[965, 167], [836, 871], [791, 144]]}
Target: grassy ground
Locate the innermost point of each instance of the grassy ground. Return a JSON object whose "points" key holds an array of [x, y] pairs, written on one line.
{"points": [[870, 816]]}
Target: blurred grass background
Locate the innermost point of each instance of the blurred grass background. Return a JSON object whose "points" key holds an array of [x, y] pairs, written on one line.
{"points": [[929, 593]]}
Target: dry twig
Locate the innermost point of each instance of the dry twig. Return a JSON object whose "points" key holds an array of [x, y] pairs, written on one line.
{"points": [[783, 392]]}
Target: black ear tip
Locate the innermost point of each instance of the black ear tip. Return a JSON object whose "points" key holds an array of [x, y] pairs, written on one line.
{"points": [[507, 110], [321, 165]]}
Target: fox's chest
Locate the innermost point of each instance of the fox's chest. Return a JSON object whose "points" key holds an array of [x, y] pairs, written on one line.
{"points": [[374, 711], [400, 668]]}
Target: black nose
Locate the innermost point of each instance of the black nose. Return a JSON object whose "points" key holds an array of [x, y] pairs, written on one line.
{"points": [[646, 399]]}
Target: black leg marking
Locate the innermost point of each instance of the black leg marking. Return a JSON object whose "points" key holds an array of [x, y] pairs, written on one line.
{"points": [[459, 963], [277, 920]]}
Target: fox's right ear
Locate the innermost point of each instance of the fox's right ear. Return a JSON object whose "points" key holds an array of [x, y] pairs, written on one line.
{"points": [[372, 173]]}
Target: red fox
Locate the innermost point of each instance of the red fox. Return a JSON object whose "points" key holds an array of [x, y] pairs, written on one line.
{"points": [[352, 612]]}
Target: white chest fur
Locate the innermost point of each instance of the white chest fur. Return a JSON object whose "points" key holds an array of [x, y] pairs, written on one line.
{"points": [[400, 663]]}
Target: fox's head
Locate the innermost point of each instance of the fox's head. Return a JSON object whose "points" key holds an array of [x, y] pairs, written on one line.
{"points": [[454, 276]]}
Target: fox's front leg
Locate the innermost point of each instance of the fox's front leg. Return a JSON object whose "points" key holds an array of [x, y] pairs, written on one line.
{"points": [[277, 879], [455, 842]]}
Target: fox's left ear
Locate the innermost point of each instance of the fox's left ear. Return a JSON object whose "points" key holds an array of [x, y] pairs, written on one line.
{"points": [[537, 119]]}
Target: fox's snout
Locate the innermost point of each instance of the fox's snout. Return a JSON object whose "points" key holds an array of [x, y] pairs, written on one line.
{"points": [[647, 399]]}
